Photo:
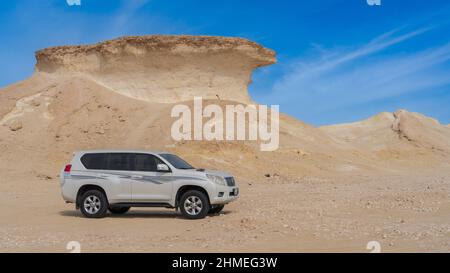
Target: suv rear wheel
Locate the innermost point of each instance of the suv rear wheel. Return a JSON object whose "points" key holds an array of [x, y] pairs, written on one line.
{"points": [[194, 205], [118, 210], [93, 204]]}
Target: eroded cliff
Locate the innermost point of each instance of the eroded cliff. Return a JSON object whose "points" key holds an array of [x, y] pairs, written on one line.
{"points": [[163, 68]]}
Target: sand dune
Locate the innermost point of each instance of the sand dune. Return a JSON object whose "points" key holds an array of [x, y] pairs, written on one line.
{"points": [[119, 94]]}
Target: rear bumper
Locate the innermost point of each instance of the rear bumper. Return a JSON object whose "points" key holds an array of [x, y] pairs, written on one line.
{"points": [[69, 192], [68, 197]]}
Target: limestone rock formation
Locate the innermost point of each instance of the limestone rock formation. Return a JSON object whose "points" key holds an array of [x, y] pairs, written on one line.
{"points": [[163, 68]]}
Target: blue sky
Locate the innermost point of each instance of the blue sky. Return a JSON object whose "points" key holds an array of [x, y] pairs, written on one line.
{"points": [[338, 60]]}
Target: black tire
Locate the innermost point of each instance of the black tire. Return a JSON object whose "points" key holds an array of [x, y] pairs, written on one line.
{"points": [[118, 210], [100, 208], [216, 209], [191, 213]]}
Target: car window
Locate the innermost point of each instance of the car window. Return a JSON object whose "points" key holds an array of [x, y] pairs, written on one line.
{"points": [[176, 161], [146, 163], [120, 162], [94, 161]]}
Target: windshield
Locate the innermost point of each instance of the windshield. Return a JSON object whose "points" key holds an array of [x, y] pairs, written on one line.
{"points": [[177, 162]]}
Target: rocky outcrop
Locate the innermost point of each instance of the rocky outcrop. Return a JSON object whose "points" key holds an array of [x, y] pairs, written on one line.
{"points": [[421, 130], [392, 130], [163, 68]]}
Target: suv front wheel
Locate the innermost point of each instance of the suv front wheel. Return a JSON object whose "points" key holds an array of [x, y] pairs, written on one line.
{"points": [[194, 205], [94, 204]]}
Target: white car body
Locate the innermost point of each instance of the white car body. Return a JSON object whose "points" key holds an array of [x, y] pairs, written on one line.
{"points": [[144, 188]]}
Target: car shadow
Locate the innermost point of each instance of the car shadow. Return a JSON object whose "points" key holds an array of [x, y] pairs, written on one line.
{"points": [[138, 214]]}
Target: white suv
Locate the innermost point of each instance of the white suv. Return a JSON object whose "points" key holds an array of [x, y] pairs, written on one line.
{"points": [[98, 181]]}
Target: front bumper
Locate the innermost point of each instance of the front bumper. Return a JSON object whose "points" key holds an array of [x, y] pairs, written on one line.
{"points": [[224, 195]]}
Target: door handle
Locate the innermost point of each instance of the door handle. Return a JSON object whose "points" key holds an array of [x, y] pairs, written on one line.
{"points": [[137, 176]]}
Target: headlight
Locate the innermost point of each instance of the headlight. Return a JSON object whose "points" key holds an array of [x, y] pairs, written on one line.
{"points": [[216, 179]]}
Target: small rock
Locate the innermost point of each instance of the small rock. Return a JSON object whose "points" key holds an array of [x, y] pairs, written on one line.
{"points": [[100, 131], [244, 220], [15, 125], [267, 175], [44, 176], [35, 103]]}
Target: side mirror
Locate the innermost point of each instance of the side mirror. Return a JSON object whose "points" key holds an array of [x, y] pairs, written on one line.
{"points": [[162, 168]]}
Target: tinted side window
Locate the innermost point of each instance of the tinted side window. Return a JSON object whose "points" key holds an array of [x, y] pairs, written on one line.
{"points": [[176, 161], [146, 163], [94, 161], [120, 162]]}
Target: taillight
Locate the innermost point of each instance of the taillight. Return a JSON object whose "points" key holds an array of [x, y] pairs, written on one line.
{"points": [[67, 168]]}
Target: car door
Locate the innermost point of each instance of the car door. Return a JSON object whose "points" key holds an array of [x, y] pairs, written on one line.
{"points": [[149, 185], [116, 178]]}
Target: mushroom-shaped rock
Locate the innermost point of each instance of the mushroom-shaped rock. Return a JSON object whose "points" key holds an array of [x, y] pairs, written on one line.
{"points": [[163, 68]]}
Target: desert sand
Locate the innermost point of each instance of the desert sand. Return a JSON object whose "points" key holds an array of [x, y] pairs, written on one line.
{"points": [[327, 189]]}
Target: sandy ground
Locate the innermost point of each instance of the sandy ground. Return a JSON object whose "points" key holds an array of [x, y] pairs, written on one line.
{"points": [[402, 213]]}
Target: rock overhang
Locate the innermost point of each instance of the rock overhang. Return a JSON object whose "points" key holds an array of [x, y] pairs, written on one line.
{"points": [[163, 68]]}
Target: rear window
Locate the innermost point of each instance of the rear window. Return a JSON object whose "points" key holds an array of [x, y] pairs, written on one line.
{"points": [[94, 161], [120, 162], [108, 161]]}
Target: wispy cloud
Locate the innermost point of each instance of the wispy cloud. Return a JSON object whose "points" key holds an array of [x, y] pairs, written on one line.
{"points": [[127, 13], [336, 79], [334, 60]]}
